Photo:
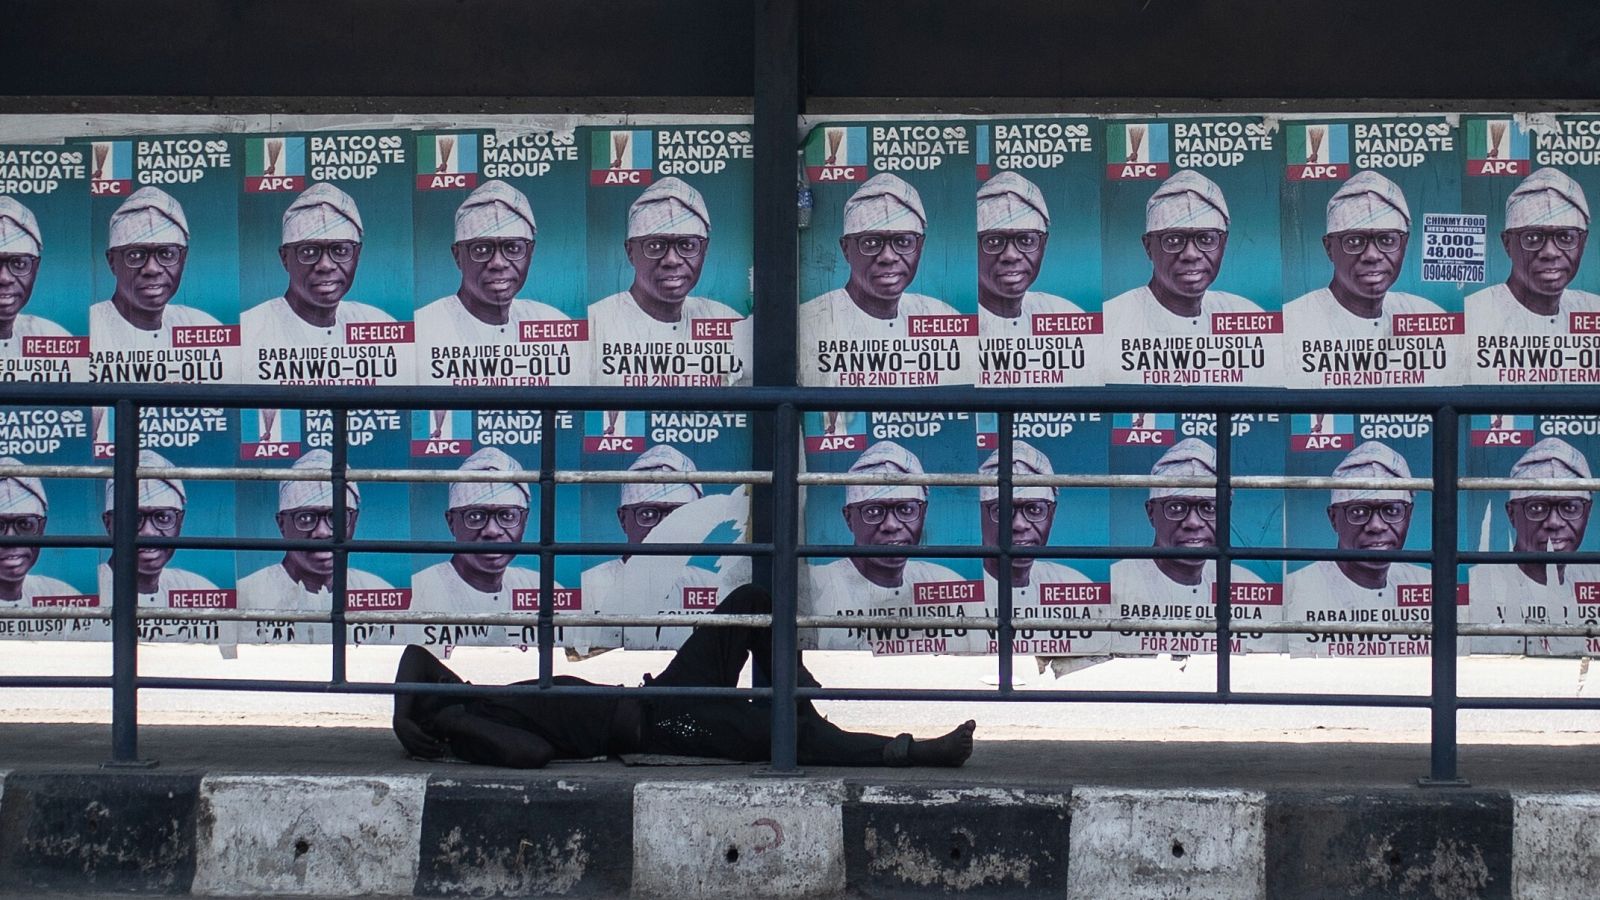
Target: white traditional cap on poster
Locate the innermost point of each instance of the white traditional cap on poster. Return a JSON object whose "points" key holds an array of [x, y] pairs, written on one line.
{"points": [[1368, 201], [1550, 458], [149, 216], [1371, 460], [489, 493], [19, 229], [661, 458], [890, 457], [1010, 202], [670, 206], [22, 495], [1186, 200], [495, 210], [1189, 458], [1548, 198], [153, 492], [322, 212], [301, 494], [884, 203], [1025, 460]]}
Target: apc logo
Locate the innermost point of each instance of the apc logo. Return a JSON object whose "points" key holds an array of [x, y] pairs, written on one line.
{"points": [[1322, 431], [274, 165], [1144, 429], [1501, 431], [1137, 151], [111, 171], [836, 153], [1497, 147], [621, 158], [270, 434], [441, 432], [613, 431], [447, 162], [829, 432], [1318, 152]]}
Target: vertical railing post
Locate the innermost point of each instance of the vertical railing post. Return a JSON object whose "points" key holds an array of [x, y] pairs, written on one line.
{"points": [[341, 537], [125, 587], [1446, 437], [1224, 582], [1006, 432], [547, 541], [785, 587]]}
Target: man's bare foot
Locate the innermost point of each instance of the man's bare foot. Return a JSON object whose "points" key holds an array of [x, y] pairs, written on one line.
{"points": [[950, 750]]}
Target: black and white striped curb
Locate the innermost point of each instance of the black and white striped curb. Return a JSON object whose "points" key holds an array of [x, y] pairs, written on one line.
{"points": [[175, 833]]}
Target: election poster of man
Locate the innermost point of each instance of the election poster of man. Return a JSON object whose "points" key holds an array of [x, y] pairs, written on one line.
{"points": [[664, 513], [898, 515], [1048, 596], [32, 577], [1184, 446], [501, 265], [1039, 282], [302, 580], [491, 441], [1189, 223], [44, 263], [1359, 518], [1541, 517], [887, 287], [164, 212], [670, 254], [325, 269], [173, 507], [1534, 317], [1373, 272]]}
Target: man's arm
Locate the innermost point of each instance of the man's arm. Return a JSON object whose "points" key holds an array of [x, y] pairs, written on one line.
{"points": [[414, 714]]}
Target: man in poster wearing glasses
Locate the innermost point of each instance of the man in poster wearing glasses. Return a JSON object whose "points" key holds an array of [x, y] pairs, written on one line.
{"points": [[1013, 229], [1363, 519], [669, 236], [162, 502], [1180, 517], [1547, 227], [303, 580], [148, 247], [479, 512], [24, 511], [320, 249], [21, 245], [495, 234]]}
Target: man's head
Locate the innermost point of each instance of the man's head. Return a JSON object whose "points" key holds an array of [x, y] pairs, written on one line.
{"points": [[21, 245], [305, 511], [1185, 235], [1013, 226], [1543, 518], [162, 502], [494, 237], [1370, 518], [884, 223], [23, 511], [669, 232], [885, 513], [1184, 516], [487, 511], [1547, 226], [149, 244], [1368, 224], [320, 250], [1033, 508], [645, 505]]}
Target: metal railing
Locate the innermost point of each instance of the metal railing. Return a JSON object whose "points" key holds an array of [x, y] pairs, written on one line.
{"points": [[775, 509]]}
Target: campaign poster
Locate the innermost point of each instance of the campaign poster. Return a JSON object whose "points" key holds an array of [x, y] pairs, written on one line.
{"points": [[1534, 316], [1048, 596], [671, 254], [1372, 218], [501, 265], [1360, 592], [1190, 226], [1535, 519], [1184, 446], [508, 441], [664, 513], [45, 263], [887, 286], [1039, 253], [901, 515], [49, 576], [176, 507], [301, 581], [164, 250], [325, 258]]}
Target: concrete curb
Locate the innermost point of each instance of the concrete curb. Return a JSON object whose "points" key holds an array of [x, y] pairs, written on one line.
{"points": [[139, 832]]}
